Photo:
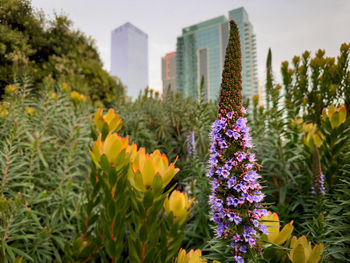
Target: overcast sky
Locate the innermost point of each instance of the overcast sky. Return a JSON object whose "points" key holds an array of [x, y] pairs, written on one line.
{"points": [[289, 27]]}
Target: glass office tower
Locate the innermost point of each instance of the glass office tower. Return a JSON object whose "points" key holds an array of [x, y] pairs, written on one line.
{"points": [[129, 58], [201, 54], [248, 48]]}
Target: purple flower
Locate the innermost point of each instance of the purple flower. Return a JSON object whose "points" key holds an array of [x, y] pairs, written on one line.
{"points": [[231, 182], [221, 229], [263, 229], [238, 259], [215, 184], [223, 144], [249, 165], [236, 135], [241, 156], [225, 173], [237, 188], [248, 144], [223, 120], [243, 248], [251, 157], [191, 144], [244, 129], [217, 204], [236, 237], [231, 216], [241, 122], [236, 198], [229, 133], [237, 219], [230, 200], [211, 173]]}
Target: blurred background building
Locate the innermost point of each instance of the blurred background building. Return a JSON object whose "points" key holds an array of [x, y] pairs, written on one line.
{"points": [[129, 58], [200, 55], [169, 72]]}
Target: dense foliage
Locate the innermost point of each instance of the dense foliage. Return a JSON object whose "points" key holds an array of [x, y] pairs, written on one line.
{"points": [[45, 49], [43, 162], [299, 121]]}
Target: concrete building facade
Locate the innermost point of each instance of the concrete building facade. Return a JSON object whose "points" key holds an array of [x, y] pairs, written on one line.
{"points": [[129, 58]]}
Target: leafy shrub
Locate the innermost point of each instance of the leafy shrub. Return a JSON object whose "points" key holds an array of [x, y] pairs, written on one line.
{"points": [[43, 162]]}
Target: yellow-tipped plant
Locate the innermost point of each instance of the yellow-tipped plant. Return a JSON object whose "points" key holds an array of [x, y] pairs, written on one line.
{"points": [[272, 222], [313, 136], [114, 147], [126, 202], [302, 251], [77, 98], [178, 204], [110, 122], [148, 167], [30, 111], [11, 89], [4, 107], [336, 116], [194, 256]]}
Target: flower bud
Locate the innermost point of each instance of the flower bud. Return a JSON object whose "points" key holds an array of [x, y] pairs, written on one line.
{"points": [[194, 256], [111, 147], [146, 167], [77, 98], [272, 222], [178, 204], [111, 121], [30, 111], [336, 116]]}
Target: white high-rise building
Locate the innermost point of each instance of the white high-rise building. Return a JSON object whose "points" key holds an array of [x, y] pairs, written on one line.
{"points": [[129, 58]]}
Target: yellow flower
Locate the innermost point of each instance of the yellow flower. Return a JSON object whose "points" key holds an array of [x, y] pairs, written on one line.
{"points": [[111, 121], [302, 251], [65, 87], [53, 95], [77, 97], [146, 167], [11, 89], [313, 136], [179, 205], [336, 116], [113, 147], [4, 105], [194, 256], [276, 236], [30, 111]]}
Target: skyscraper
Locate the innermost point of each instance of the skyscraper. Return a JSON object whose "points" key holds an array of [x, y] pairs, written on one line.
{"points": [[129, 58], [169, 72], [201, 53], [248, 48]]}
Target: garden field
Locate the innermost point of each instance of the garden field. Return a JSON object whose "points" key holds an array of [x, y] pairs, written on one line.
{"points": [[88, 175]]}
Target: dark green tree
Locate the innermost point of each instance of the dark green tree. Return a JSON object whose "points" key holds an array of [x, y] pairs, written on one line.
{"points": [[42, 49]]}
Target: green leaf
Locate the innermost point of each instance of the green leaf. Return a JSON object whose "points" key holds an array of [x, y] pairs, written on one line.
{"points": [[143, 233], [148, 199]]}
